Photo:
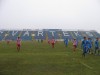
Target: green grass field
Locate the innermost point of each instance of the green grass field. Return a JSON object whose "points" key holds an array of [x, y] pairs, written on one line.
{"points": [[40, 59]]}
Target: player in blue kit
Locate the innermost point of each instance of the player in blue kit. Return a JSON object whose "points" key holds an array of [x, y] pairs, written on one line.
{"points": [[66, 42], [89, 45], [97, 46], [84, 46]]}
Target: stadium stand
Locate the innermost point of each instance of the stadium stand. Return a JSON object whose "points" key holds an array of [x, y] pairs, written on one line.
{"points": [[46, 33]]}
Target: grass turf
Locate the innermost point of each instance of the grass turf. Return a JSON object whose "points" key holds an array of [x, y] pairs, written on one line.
{"points": [[40, 59]]}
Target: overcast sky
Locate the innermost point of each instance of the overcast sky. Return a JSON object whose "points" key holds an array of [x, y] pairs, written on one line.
{"points": [[56, 14]]}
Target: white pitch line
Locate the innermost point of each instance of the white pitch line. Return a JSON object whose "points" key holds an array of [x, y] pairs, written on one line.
{"points": [[86, 65]]}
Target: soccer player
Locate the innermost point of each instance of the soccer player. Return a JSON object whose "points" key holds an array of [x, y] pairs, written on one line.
{"points": [[18, 43], [66, 42], [52, 43], [74, 45], [84, 46], [89, 44], [97, 46]]}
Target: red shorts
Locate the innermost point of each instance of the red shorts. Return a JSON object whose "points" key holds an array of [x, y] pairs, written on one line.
{"points": [[53, 43], [18, 45], [74, 46]]}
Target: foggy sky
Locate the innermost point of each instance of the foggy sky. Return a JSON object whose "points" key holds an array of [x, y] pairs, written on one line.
{"points": [[56, 14]]}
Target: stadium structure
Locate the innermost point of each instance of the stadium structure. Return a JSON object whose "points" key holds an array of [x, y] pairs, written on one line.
{"points": [[47, 34]]}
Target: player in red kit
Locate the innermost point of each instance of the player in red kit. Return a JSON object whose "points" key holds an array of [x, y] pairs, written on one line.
{"points": [[74, 44], [52, 43], [18, 43]]}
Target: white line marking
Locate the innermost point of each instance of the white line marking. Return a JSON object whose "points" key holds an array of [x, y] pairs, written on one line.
{"points": [[86, 65]]}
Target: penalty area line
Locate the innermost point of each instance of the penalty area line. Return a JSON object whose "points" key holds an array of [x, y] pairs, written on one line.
{"points": [[86, 65]]}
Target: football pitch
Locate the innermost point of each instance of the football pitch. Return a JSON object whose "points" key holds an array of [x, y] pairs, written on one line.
{"points": [[41, 59]]}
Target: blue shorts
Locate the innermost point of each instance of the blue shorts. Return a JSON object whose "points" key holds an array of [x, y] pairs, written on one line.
{"points": [[84, 49]]}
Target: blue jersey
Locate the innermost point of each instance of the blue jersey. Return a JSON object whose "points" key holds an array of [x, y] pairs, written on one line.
{"points": [[66, 41], [84, 43], [96, 43], [89, 44]]}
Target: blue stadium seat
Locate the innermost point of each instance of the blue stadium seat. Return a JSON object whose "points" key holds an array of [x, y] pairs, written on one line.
{"points": [[47, 33]]}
